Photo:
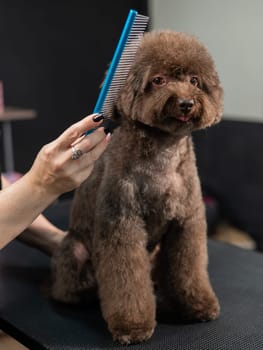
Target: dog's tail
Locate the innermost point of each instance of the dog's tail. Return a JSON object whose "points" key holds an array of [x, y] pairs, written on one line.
{"points": [[44, 240]]}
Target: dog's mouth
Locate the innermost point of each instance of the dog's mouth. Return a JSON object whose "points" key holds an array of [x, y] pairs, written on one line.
{"points": [[181, 118], [184, 118], [179, 111]]}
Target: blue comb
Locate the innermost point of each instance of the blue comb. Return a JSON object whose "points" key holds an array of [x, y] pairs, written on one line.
{"points": [[122, 60]]}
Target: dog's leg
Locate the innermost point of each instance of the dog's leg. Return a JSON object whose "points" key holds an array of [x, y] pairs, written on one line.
{"points": [[72, 273], [122, 271], [183, 262]]}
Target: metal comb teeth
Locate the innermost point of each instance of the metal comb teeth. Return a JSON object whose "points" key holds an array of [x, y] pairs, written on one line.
{"points": [[121, 63], [121, 74]]}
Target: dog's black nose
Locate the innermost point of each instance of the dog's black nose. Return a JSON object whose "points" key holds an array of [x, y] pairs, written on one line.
{"points": [[185, 105]]}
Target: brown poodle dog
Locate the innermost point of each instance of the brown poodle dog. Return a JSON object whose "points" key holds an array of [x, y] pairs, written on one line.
{"points": [[145, 192]]}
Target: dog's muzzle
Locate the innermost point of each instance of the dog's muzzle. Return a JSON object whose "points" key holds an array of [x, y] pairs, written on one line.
{"points": [[185, 105]]}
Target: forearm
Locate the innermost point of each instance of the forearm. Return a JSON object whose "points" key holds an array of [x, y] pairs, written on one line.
{"points": [[20, 204], [43, 235], [53, 172]]}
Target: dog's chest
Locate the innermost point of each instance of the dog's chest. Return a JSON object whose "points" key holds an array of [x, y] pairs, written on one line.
{"points": [[161, 195], [162, 200]]}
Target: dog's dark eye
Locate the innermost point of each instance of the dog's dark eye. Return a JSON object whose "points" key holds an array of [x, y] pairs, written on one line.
{"points": [[159, 81], [194, 81]]}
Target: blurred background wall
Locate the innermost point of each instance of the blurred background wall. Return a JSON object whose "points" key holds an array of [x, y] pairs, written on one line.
{"points": [[232, 31]]}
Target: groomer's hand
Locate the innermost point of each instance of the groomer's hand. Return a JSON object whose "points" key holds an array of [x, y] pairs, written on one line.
{"points": [[65, 163]]}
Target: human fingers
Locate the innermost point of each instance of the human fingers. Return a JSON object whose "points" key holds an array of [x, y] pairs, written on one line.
{"points": [[90, 157], [75, 131], [88, 142], [81, 168]]}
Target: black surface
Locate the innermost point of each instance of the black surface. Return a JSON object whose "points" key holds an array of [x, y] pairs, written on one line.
{"points": [[26, 314]]}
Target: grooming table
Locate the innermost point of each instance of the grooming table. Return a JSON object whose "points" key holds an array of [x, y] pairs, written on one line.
{"points": [[31, 318]]}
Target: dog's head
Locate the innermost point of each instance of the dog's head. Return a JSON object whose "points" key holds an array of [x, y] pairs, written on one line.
{"points": [[172, 85]]}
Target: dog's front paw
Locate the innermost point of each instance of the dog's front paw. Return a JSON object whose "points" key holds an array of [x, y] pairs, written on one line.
{"points": [[201, 307], [126, 332]]}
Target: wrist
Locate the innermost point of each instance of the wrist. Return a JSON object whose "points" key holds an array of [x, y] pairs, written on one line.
{"points": [[40, 187]]}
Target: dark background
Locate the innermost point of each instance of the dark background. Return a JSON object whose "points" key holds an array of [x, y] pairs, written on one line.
{"points": [[230, 164], [53, 56]]}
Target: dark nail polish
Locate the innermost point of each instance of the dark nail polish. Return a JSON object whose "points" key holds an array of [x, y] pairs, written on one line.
{"points": [[98, 118]]}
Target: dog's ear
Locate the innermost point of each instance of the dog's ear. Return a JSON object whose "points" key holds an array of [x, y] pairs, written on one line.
{"points": [[134, 87], [215, 93], [218, 95]]}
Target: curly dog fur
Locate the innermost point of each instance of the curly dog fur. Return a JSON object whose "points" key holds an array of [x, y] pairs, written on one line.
{"points": [[143, 193]]}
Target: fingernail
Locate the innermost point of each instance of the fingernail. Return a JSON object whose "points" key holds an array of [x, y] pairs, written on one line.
{"points": [[108, 136], [98, 117]]}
